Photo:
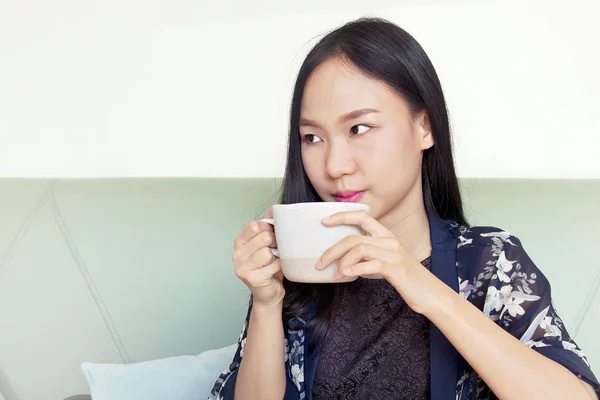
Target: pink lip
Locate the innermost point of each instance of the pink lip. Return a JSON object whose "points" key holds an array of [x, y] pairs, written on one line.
{"points": [[349, 197]]}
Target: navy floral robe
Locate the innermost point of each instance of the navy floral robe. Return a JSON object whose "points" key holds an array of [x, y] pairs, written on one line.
{"points": [[489, 268]]}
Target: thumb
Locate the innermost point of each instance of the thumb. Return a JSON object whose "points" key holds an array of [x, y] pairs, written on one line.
{"points": [[279, 275]]}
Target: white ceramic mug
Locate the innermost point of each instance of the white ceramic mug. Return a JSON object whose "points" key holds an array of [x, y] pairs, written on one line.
{"points": [[302, 238]]}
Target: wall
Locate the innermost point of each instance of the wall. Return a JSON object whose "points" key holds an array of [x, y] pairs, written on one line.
{"points": [[136, 269], [188, 88], [201, 89]]}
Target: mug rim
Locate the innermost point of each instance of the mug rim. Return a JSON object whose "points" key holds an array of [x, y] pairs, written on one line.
{"points": [[321, 204]]}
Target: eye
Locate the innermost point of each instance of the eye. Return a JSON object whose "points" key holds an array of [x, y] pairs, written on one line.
{"points": [[310, 138], [358, 129]]}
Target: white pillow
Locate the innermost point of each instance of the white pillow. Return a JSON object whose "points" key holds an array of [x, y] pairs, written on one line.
{"points": [[174, 378]]}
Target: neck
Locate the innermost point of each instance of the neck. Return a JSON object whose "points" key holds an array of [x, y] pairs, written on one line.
{"points": [[409, 223]]}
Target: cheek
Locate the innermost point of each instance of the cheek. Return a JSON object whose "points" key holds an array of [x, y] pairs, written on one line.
{"points": [[395, 155], [313, 165]]}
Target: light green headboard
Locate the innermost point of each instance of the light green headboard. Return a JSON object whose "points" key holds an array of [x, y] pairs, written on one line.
{"points": [[131, 270]]}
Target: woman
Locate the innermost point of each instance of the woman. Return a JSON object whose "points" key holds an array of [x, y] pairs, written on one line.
{"points": [[443, 310]]}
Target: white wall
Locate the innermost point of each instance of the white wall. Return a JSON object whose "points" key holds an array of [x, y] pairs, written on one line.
{"points": [[190, 88]]}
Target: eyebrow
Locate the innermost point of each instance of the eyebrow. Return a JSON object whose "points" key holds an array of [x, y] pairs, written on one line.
{"points": [[344, 118]]}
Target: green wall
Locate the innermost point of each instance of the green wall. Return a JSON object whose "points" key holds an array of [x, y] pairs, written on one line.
{"points": [[136, 269]]}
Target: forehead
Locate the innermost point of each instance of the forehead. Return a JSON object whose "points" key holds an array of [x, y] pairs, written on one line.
{"points": [[336, 87]]}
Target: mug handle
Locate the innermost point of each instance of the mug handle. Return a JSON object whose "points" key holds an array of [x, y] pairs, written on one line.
{"points": [[271, 222]]}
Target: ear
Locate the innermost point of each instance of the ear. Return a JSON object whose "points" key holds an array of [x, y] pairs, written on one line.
{"points": [[423, 126]]}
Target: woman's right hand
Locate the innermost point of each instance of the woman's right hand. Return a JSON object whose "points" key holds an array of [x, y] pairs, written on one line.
{"points": [[255, 264]]}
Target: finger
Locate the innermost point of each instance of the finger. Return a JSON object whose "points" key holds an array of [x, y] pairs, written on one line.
{"points": [[279, 275], [353, 257], [257, 250], [251, 230], [364, 252], [361, 219], [269, 213], [258, 260], [261, 276], [371, 267], [262, 257], [263, 239], [341, 248]]}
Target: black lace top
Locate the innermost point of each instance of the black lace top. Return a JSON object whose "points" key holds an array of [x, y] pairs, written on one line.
{"points": [[376, 348]]}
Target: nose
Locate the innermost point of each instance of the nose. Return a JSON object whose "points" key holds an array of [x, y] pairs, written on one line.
{"points": [[340, 160]]}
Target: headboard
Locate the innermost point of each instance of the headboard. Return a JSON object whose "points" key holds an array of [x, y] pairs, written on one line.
{"points": [[137, 269]]}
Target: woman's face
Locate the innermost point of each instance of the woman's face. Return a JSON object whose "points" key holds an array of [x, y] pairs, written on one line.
{"points": [[358, 135]]}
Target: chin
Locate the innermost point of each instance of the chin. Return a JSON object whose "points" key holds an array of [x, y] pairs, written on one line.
{"points": [[379, 211]]}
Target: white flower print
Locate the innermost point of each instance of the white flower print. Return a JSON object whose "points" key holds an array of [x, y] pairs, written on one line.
{"points": [[295, 358], [463, 241], [243, 346], [491, 265], [464, 288], [504, 266], [297, 375], [551, 330], [534, 343], [513, 306], [573, 347], [297, 349], [533, 326], [243, 331], [496, 299], [503, 235]]}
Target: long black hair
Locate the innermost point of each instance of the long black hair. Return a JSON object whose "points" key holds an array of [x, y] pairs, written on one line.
{"points": [[384, 51]]}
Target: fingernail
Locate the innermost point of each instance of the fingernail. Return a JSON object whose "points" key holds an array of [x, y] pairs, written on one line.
{"points": [[326, 219], [318, 264], [347, 271]]}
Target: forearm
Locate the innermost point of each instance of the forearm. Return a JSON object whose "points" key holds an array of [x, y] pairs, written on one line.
{"points": [[262, 371], [511, 369]]}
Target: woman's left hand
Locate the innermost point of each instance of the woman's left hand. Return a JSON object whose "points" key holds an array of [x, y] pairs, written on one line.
{"points": [[379, 253]]}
